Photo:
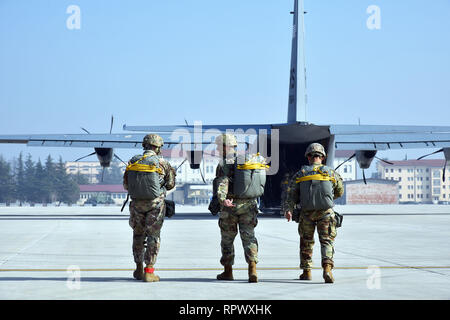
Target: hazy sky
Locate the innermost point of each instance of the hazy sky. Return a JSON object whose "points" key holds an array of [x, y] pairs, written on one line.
{"points": [[159, 62]]}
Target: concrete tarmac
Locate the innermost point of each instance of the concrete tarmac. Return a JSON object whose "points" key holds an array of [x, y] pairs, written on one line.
{"points": [[65, 253]]}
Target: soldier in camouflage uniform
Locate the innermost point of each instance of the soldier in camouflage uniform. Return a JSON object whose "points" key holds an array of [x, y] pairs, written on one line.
{"points": [[234, 213], [147, 216], [284, 185], [323, 219]]}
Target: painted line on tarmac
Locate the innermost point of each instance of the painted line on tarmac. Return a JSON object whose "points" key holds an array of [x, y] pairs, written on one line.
{"points": [[218, 269]]}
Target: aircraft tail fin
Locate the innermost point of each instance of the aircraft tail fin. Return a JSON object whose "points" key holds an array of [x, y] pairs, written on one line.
{"points": [[292, 105]]}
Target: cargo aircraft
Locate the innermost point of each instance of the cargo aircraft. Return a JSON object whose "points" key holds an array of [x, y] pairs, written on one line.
{"points": [[288, 141]]}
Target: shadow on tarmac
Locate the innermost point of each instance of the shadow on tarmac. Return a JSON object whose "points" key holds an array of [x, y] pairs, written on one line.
{"points": [[130, 279]]}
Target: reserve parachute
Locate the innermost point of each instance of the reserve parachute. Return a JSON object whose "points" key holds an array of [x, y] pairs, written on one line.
{"points": [[144, 178], [316, 187], [249, 176]]}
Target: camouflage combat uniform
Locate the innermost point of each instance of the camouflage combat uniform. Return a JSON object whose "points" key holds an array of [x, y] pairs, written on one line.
{"points": [[324, 220], [147, 216], [284, 186], [242, 216]]}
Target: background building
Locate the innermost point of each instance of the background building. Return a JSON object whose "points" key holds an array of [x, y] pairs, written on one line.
{"points": [[348, 169], [93, 170], [419, 181], [102, 194], [190, 186], [376, 191]]}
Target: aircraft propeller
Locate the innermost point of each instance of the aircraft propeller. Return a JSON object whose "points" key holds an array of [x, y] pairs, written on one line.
{"points": [[364, 175], [104, 155], [446, 152]]}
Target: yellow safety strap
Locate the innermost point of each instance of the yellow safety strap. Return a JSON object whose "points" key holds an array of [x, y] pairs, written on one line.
{"points": [[252, 166], [143, 167], [320, 177]]}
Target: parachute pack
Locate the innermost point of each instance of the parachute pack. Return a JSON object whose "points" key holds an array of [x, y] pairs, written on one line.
{"points": [[249, 177], [144, 178], [316, 187]]}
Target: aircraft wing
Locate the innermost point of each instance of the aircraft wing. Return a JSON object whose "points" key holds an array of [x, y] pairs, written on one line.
{"points": [[198, 126], [385, 137], [172, 135], [78, 140]]}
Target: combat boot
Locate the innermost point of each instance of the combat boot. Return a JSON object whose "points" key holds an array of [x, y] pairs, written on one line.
{"points": [[327, 274], [227, 274], [252, 276], [138, 274], [306, 275], [149, 275]]}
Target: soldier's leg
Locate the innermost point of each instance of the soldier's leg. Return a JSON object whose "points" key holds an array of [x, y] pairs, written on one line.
{"points": [[326, 228], [247, 223], [137, 223], [306, 229], [153, 225], [228, 231]]}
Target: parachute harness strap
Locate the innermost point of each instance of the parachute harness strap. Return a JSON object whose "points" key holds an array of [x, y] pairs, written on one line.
{"points": [[320, 176], [250, 165], [143, 167]]}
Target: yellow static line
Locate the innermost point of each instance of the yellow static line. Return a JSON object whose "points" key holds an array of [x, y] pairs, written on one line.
{"points": [[216, 269]]}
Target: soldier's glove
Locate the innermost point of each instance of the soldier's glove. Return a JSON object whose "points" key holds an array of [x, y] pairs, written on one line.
{"points": [[170, 208], [296, 215], [338, 217], [214, 206]]}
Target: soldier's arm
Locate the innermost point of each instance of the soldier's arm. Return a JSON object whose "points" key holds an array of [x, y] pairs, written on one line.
{"points": [[338, 186], [222, 188], [169, 175], [292, 195], [125, 180]]}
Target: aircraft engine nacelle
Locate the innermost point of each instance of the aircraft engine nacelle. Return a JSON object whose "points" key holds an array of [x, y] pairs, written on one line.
{"points": [[195, 158], [447, 154], [104, 156], [365, 157]]}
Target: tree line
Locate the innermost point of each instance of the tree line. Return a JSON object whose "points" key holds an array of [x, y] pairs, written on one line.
{"points": [[25, 181]]}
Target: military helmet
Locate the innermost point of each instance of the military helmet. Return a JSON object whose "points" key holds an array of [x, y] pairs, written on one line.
{"points": [[226, 139], [315, 148], [153, 140]]}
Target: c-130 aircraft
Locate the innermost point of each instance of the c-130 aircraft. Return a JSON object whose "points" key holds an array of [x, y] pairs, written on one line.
{"points": [[288, 141]]}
